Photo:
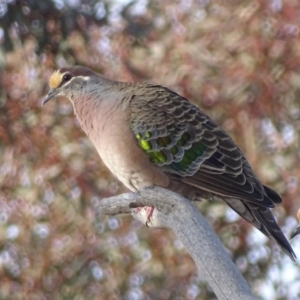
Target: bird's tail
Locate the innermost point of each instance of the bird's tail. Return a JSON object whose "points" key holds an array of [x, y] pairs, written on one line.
{"points": [[263, 219]]}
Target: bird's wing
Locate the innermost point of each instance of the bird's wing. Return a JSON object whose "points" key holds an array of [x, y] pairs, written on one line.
{"points": [[186, 143]]}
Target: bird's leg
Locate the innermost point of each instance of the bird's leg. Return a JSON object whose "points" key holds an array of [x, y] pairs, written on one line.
{"points": [[149, 211]]}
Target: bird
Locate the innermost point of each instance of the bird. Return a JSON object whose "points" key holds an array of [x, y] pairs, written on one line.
{"points": [[296, 231], [148, 135]]}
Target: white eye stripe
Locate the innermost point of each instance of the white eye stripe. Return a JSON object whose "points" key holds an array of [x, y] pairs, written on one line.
{"points": [[85, 78]]}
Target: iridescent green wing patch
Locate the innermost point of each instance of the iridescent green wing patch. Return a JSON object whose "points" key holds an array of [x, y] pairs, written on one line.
{"points": [[170, 130], [175, 152]]}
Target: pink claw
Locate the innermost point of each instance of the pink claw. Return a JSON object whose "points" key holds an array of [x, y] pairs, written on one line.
{"points": [[149, 211]]}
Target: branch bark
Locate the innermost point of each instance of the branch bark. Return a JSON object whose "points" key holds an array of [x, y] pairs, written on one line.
{"points": [[177, 213]]}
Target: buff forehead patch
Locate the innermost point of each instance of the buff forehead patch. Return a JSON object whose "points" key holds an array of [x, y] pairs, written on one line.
{"points": [[55, 79]]}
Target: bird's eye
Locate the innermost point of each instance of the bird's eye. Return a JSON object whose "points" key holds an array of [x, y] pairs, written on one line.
{"points": [[67, 77]]}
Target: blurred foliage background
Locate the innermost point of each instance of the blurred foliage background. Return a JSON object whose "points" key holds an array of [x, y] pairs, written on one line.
{"points": [[237, 60]]}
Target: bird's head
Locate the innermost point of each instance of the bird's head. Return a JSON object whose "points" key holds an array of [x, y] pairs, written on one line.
{"points": [[67, 82]]}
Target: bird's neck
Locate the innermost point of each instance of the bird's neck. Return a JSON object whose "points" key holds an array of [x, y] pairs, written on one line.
{"points": [[85, 105], [93, 111]]}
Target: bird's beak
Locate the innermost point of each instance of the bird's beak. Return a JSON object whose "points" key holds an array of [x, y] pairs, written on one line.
{"points": [[52, 93]]}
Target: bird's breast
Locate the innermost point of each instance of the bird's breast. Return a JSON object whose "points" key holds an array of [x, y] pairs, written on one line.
{"points": [[112, 137]]}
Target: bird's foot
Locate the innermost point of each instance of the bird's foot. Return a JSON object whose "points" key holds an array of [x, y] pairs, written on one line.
{"points": [[148, 210]]}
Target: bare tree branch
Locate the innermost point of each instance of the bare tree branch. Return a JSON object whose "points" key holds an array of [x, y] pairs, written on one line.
{"points": [[177, 213]]}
